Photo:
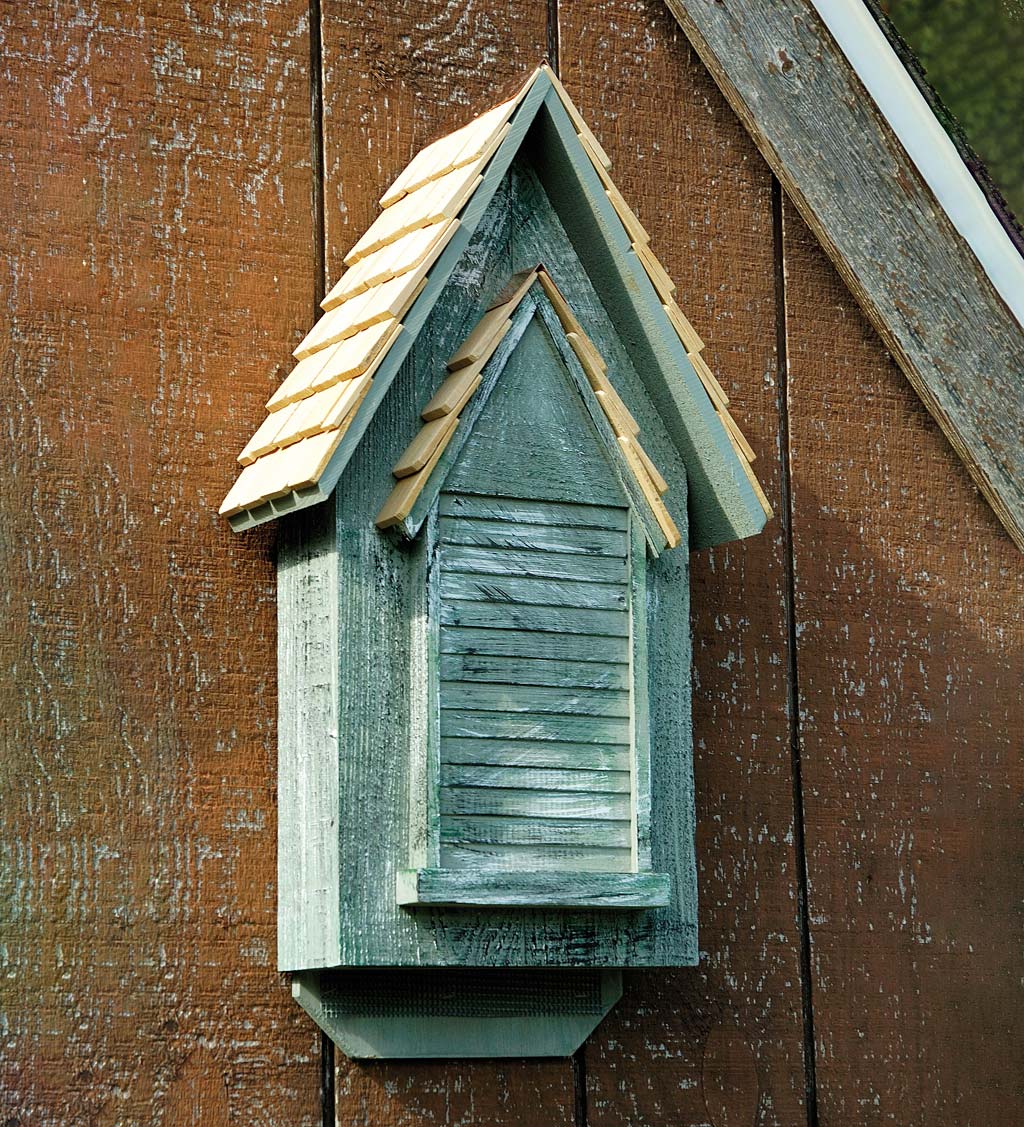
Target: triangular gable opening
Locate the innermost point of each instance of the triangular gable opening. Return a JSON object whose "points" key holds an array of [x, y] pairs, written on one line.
{"points": [[572, 425], [399, 269]]}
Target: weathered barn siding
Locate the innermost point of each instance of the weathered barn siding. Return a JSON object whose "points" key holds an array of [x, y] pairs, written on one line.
{"points": [[160, 223], [158, 268]]}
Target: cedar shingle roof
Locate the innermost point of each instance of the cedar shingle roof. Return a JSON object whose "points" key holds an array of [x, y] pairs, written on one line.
{"points": [[387, 268]]}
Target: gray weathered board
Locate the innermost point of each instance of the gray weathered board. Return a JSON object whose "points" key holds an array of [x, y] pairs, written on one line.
{"points": [[859, 191]]}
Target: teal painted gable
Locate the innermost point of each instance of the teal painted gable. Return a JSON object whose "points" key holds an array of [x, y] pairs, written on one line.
{"points": [[535, 438], [541, 138]]}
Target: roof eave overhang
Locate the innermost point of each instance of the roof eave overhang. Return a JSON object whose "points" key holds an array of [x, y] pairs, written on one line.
{"points": [[723, 504]]}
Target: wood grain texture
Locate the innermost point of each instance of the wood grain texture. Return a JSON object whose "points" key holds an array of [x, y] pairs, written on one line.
{"points": [[684, 163], [157, 222], [911, 659], [913, 274], [383, 640], [397, 75]]}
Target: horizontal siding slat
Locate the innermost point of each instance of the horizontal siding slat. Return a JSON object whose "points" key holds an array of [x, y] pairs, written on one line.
{"points": [[532, 591], [511, 616], [512, 858], [543, 644], [533, 537], [516, 699], [535, 804], [497, 725], [541, 565], [536, 778], [534, 512], [523, 753], [534, 671], [496, 829]]}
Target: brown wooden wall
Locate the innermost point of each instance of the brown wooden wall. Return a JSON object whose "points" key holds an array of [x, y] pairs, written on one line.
{"points": [[858, 666]]}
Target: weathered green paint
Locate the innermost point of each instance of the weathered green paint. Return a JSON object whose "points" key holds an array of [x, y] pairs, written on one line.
{"points": [[426, 1014], [545, 832], [535, 671], [723, 505], [358, 649], [575, 756], [465, 887], [309, 908], [533, 436]]}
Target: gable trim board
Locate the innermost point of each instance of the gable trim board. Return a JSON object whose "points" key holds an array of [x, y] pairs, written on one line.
{"points": [[926, 278], [369, 329], [415, 469]]}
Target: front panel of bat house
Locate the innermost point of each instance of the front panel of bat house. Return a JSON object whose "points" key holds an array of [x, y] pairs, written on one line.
{"points": [[489, 463], [540, 659], [529, 813]]}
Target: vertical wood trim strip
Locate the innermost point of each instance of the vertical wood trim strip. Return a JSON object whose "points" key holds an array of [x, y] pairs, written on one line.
{"points": [[640, 719], [317, 157], [792, 677]]}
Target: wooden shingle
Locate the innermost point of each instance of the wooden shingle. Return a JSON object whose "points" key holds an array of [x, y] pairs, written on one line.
{"points": [[473, 142], [397, 258], [382, 303], [436, 200], [349, 358]]}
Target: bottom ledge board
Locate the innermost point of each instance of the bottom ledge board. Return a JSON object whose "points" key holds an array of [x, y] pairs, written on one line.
{"points": [[462, 887], [389, 1013]]}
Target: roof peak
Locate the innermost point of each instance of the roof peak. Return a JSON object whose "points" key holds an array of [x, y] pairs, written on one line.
{"points": [[398, 269], [441, 414]]}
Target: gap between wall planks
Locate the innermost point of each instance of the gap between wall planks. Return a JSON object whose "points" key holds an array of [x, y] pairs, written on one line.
{"points": [[685, 164], [155, 186], [396, 76], [911, 659]]}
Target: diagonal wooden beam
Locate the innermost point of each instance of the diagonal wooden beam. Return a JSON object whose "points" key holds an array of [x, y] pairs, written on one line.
{"points": [[854, 184]]}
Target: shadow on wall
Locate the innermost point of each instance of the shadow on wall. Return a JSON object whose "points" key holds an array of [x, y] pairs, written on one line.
{"points": [[910, 749]]}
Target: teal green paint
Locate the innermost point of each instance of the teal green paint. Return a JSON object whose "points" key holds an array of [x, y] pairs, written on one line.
{"points": [[494, 643], [360, 655], [487, 857], [536, 753], [510, 511], [724, 506], [537, 536], [621, 891], [534, 671], [533, 433], [641, 762], [530, 441], [533, 590], [429, 1014], [505, 776], [540, 832]]}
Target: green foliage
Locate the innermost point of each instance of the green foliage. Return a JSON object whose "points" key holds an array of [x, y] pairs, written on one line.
{"points": [[971, 52]]}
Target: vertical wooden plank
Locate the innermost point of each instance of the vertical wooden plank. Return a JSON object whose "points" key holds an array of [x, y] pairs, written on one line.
{"points": [[396, 76], [155, 190], [399, 75], [910, 668], [684, 163]]}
